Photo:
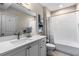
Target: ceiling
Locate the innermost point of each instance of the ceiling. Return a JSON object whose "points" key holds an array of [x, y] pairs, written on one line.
{"points": [[56, 6]]}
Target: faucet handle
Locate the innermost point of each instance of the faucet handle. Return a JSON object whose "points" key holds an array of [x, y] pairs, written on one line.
{"points": [[19, 33]]}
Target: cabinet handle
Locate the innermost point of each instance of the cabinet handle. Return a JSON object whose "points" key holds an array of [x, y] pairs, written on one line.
{"points": [[29, 46], [40, 47], [43, 41]]}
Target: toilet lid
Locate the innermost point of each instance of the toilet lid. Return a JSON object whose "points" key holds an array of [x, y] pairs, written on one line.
{"points": [[50, 45]]}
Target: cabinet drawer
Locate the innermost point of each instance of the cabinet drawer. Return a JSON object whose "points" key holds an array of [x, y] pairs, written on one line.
{"points": [[42, 41], [42, 47], [34, 43]]}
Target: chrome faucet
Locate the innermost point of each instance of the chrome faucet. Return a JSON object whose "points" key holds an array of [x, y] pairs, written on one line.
{"points": [[18, 35]]}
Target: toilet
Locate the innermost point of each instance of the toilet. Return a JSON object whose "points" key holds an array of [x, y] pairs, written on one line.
{"points": [[50, 48]]}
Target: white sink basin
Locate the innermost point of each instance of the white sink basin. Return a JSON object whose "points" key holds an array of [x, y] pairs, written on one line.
{"points": [[19, 41]]}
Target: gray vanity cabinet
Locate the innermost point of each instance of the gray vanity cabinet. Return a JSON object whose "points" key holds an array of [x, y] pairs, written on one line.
{"points": [[42, 47], [32, 50], [36, 48], [0, 24], [21, 51]]}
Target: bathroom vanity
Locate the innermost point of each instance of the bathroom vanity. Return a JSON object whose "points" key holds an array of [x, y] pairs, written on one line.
{"points": [[13, 21], [33, 46]]}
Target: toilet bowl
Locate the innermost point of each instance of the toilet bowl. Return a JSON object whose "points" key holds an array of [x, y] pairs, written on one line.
{"points": [[50, 48]]}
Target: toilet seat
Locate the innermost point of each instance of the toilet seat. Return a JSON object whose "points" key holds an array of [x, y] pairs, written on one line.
{"points": [[50, 45]]}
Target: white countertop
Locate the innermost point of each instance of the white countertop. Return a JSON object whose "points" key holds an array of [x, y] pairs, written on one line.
{"points": [[7, 45]]}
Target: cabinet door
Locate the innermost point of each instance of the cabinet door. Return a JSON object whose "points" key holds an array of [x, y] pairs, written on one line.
{"points": [[42, 47], [0, 24], [17, 52], [77, 25], [22, 52], [33, 50], [43, 50]]}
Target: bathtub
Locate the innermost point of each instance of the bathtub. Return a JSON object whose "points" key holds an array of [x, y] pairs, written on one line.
{"points": [[71, 48]]}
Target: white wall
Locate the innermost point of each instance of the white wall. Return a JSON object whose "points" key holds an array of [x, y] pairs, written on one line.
{"points": [[64, 27], [65, 24], [32, 22]]}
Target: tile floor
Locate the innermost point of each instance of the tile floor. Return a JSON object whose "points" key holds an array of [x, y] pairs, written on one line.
{"points": [[57, 53]]}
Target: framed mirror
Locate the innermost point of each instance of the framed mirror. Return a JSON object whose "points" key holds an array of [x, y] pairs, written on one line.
{"points": [[14, 20]]}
